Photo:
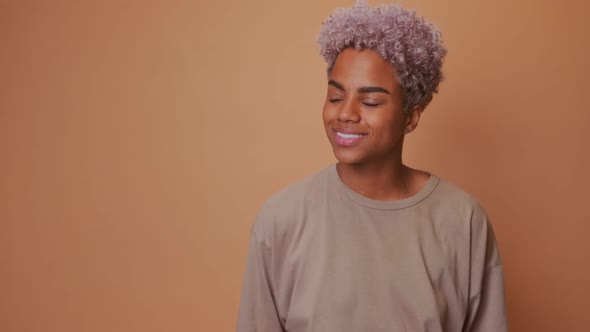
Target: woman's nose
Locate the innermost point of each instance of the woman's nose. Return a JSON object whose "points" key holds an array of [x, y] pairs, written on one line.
{"points": [[349, 112]]}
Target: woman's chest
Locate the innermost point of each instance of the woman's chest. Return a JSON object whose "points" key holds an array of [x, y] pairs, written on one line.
{"points": [[360, 271]]}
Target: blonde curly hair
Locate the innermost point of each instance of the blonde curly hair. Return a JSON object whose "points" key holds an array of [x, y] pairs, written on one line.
{"points": [[412, 45]]}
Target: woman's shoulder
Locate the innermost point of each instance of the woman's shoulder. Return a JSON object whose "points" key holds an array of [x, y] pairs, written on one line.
{"points": [[288, 205]]}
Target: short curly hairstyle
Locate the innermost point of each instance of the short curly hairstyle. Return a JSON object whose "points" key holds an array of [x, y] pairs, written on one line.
{"points": [[412, 45]]}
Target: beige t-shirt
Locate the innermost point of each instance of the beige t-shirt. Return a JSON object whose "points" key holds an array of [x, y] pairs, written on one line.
{"points": [[323, 258]]}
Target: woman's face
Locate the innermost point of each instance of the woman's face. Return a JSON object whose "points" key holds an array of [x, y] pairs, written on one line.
{"points": [[362, 113]]}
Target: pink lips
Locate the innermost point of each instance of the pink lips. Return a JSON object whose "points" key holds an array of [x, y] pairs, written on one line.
{"points": [[347, 139]]}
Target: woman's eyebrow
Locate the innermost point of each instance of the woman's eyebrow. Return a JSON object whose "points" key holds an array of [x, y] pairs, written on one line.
{"points": [[369, 89], [365, 89], [336, 85]]}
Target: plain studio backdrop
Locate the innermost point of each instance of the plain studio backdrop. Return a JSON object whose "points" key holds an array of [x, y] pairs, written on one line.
{"points": [[139, 138]]}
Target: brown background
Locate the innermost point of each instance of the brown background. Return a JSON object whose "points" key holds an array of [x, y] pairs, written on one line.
{"points": [[138, 139]]}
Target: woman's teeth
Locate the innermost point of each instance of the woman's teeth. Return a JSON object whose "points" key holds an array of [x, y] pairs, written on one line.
{"points": [[348, 135]]}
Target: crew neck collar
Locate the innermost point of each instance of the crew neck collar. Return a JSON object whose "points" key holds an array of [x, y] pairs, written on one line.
{"points": [[345, 191]]}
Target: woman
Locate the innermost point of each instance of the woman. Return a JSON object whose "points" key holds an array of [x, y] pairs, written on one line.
{"points": [[370, 244]]}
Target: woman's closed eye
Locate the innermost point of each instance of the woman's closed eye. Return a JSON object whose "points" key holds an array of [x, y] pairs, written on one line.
{"points": [[370, 103]]}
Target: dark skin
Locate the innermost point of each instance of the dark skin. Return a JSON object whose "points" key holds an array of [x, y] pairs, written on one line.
{"points": [[365, 123]]}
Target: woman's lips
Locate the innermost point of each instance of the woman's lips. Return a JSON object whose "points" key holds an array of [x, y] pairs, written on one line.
{"points": [[344, 139]]}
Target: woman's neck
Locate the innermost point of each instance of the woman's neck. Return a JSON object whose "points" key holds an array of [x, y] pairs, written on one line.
{"points": [[384, 181]]}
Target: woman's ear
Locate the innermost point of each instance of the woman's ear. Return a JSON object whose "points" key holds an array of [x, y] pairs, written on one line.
{"points": [[412, 119]]}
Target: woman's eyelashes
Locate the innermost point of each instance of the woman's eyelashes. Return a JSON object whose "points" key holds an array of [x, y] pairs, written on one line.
{"points": [[370, 103], [367, 103]]}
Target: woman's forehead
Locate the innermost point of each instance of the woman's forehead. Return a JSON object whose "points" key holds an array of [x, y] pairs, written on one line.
{"points": [[355, 68]]}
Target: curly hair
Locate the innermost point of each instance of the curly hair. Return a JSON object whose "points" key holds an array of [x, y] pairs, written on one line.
{"points": [[412, 45]]}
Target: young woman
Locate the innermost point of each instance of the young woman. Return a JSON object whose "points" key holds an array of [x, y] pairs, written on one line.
{"points": [[370, 244]]}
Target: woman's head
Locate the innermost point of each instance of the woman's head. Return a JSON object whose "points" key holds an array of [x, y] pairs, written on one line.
{"points": [[410, 44]]}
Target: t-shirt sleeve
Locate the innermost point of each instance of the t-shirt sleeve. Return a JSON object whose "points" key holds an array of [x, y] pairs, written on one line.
{"points": [[487, 309], [258, 311], [487, 312]]}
